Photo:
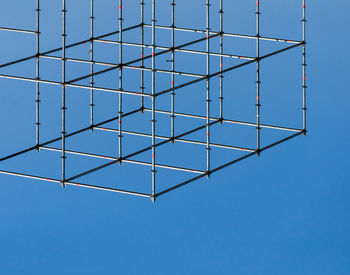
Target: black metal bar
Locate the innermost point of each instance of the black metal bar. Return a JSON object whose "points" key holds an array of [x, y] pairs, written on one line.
{"points": [[140, 59], [226, 165], [68, 135], [140, 151], [304, 67], [67, 46], [208, 149], [227, 70]]}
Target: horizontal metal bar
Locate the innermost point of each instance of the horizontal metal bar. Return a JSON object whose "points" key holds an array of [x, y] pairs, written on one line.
{"points": [[176, 50], [126, 161], [69, 135], [179, 140], [124, 66], [17, 30], [140, 151], [75, 184], [227, 121], [140, 59], [74, 85], [226, 165], [227, 70], [227, 34], [67, 47]]}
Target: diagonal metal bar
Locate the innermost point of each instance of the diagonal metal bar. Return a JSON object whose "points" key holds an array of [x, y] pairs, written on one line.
{"points": [[140, 151], [142, 58], [227, 70], [68, 135], [67, 47], [227, 164]]}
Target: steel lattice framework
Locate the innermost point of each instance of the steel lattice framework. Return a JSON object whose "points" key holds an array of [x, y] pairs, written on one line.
{"points": [[207, 37]]}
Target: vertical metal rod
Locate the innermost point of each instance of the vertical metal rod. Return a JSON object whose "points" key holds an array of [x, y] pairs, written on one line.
{"points": [[153, 100], [120, 136], [221, 60], [142, 54], [173, 69], [304, 67], [208, 149], [92, 18], [63, 157], [258, 128], [37, 100]]}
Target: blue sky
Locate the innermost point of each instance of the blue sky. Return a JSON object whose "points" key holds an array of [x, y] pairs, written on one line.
{"points": [[284, 213]]}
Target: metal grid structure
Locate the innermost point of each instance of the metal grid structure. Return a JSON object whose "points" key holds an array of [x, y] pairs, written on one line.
{"points": [[152, 95]]}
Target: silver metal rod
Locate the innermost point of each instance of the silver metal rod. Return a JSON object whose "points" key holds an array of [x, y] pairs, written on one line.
{"points": [[230, 34], [153, 100], [208, 149], [304, 68], [258, 128], [64, 35], [17, 30], [37, 84], [172, 131], [75, 184], [233, 56], [92, 81], [221, 97], [74, 85], [142, 52], [182, 140], [120, 112], [228, 121], [144, 163]]}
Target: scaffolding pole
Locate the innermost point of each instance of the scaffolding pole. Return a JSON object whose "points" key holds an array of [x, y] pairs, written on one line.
{"points": [[120, 112], [64, 108], [37, 99]]}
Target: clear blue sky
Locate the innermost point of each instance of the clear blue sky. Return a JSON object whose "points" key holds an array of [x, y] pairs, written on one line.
{"points": [[285, 213]]}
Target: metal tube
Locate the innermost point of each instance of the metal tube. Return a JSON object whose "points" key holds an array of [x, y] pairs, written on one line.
{"points": [[227, 165], [178, 140], [153, 100], [304, 67], [234, 56], [67, 47], [229, 34], [17, 30], [75, 184], [68, 135], [120, 112], [126, 161], [227, 70], [64, 35], [172, 131], [258, 128], [221, 97], [238, 122], [140, 59], [37, 84], [142, 52], [92, 82], [208, 85], [140, 151]]}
